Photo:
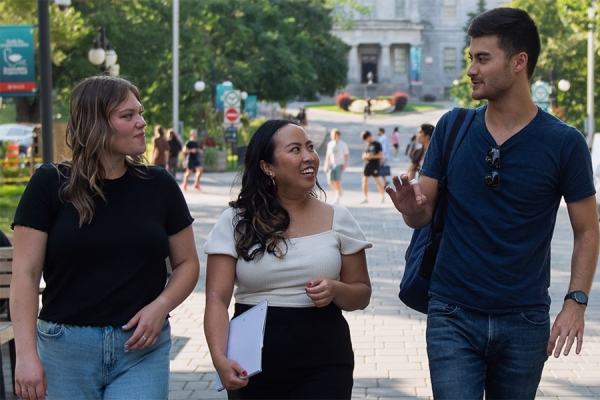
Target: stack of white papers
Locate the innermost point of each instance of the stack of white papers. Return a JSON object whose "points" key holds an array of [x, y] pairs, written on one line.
{"points": [[246, 333]]}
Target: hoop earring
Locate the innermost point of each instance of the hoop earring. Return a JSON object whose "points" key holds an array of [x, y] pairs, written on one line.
{"points": [[273, 184]]}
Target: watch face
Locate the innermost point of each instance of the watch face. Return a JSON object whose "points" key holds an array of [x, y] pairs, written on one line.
{"points": [[580, 297]]}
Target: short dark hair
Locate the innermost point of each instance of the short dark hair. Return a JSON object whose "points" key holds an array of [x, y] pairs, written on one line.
{"points": [[516, 32], [365, 134], [427, 129]]}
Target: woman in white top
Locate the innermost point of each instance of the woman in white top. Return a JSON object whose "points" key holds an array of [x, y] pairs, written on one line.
{"points": [[278, 242]]}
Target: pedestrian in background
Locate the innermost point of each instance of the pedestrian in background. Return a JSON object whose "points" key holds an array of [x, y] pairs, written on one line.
{"points": [[372, 157], [385, 147], [193, 162], [411, 147], [416, 157], [99, 228], [174, 150], [396, 142], [488, 325], [336, 161], [278, 242], [160, 147]]}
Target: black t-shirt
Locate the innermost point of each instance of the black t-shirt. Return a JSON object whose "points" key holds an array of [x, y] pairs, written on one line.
{"points": [[192, 144], [104, 272], [174, 147], [373, 148]]}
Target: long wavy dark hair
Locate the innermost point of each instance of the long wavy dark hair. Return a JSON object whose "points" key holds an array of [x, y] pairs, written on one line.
{"points": [[261, 223]]}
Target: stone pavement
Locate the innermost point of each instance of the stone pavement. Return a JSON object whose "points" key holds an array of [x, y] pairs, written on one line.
{"points": [[388, 337]]}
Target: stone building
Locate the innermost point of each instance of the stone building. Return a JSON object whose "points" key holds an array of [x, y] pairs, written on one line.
{"points": [[411, 46]]}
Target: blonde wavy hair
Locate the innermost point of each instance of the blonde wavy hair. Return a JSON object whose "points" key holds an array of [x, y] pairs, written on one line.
{"points": [[93, 100]]}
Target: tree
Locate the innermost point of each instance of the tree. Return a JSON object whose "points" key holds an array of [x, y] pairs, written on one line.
{"points": [[563, 27], [67, 31], [276, 49]]}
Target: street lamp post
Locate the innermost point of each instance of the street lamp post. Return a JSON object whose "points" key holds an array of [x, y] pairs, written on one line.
{"points": [[45, 60], [103, 54], [45, 82]]}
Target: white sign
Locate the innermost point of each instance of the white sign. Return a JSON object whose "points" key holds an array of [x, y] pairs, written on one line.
{"points": [[232, 98], [231, 115]]}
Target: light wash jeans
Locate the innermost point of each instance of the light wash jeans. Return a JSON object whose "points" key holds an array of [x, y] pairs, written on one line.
{"points": [[501, 354], [84, 362]]}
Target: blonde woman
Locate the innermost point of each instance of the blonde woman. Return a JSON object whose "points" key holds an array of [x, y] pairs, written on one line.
{"points": [[99, 228]]}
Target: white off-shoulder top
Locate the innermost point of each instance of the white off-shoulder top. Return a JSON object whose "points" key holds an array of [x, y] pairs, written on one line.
{"points": [[281, 281]]}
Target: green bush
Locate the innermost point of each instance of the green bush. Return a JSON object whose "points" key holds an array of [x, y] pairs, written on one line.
{"points": [[343, 100], [211, 156], [399, 100]]}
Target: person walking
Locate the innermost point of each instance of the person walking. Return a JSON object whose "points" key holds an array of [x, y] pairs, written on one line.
{"points": [[488, 326], [385, 147], [193, 162], [372, 157], [278, 242], [99, 229], [423, 138], [174, 150], [336, 160], [396, 142], [160, 147]]}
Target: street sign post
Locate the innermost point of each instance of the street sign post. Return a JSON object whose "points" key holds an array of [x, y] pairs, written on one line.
{"points": [[232, 100], [231, 135], [232, 115], [540, 94]]}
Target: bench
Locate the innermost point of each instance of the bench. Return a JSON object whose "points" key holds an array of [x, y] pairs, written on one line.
{"points": [[6, 329]]}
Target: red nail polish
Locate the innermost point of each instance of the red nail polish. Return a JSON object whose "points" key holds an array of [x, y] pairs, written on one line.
{"points": [[244, 373], [309, 284]]}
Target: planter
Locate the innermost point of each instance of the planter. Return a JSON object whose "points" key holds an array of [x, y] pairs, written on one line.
{"points": [[215, 160]]}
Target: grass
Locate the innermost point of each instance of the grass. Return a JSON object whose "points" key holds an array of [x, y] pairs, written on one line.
{"points": [[410, 107], [7, 113], [9, 198]]}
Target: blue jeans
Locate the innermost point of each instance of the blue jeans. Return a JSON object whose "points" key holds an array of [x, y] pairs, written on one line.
{"points": [[501, 354], [84, 362]]}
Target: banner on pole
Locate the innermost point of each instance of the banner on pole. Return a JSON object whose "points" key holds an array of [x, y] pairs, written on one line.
{"points": [[17, 71]]}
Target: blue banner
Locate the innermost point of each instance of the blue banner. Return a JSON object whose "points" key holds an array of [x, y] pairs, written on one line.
{"points": [[221, 89], [415, 64], [250, 106], [17, 70]]}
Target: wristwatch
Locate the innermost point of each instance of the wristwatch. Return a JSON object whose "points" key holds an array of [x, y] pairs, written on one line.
{"points": [[578, 296]]}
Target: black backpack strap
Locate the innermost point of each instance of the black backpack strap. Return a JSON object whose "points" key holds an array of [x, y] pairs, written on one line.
{"points": [[437, 223]]}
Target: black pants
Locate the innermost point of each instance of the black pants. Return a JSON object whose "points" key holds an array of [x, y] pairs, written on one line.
{"points": [[307, 354]]}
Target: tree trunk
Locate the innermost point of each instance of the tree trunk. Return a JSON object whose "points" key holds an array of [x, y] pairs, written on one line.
{"points": [[28, 109]]}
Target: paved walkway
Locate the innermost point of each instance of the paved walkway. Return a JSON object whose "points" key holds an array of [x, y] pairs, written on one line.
{"points": [[388, 338]]}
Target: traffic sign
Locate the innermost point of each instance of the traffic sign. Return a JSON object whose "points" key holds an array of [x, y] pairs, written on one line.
{"points": [[232, 98], [231, 135], [232, 115], [540, 92]]}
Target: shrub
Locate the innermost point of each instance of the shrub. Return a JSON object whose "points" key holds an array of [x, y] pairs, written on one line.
{"points": [[343, 101], [399, 100], [429, 97]]}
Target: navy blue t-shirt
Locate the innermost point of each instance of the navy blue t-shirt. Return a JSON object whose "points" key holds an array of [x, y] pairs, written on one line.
{"points": [[495, 253]]}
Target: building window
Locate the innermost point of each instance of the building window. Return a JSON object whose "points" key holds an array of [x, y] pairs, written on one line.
{"points": [[400, 60], [449, 59], [449, 8], [370, 4], [400, 9]]}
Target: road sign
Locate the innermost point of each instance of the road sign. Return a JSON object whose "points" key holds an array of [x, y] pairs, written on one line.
{"points": [[231, 135], [540, 92], [232, 98], [232, 115]]}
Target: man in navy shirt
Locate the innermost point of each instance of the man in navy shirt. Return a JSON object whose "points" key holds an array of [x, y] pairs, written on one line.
{"points": [[488, 325]]}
